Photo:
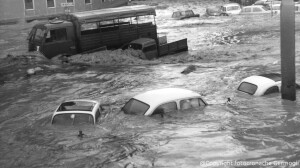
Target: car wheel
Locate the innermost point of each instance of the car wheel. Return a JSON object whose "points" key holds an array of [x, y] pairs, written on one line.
{"points": [[224, 14]]}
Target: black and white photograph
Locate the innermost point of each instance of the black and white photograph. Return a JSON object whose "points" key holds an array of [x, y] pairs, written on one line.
{"points": [[149, 84]]}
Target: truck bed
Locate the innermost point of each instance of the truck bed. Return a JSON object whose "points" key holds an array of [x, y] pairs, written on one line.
{"points": [[174, 47], [117, 37]]}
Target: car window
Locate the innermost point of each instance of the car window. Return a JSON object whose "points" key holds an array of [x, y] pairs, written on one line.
{"points": [[276, 8], [191, 103], [72, 119], [257, 10], [76, 106], [233, 8], [247, 10], [273, 89], [247, 88], [176, 14], [223, 8], [265, 8], [134, 106], [167, 107]]}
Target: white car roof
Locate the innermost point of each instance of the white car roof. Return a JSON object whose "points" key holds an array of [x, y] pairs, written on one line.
{"points": [[261, 82], [83, 100], [157, 97], [164, 95]]}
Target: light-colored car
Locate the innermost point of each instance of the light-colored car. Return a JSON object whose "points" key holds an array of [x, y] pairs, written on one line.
{"points": [[259, 85], [81, 111], [225, 10], [255, 9], [162, 101], [276, 8]]}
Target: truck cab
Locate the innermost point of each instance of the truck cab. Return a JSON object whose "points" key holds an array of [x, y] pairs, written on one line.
{"points": [[52, 38], [147, 45]]}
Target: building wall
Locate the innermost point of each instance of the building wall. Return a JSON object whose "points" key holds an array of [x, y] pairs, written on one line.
{"points": [[11, 10], [15, 9]]}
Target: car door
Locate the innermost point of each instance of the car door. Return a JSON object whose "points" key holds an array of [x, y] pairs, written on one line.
{"points": [[59, 41]]}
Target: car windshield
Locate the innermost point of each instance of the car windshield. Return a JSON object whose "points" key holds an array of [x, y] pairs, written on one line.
{"points": [[76, 106], [72, 119], [247, 88], [134, 106], [135, 46]]}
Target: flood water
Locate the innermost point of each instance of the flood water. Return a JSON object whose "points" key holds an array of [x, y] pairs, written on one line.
{"points": [[247, 130], [251, 129]]}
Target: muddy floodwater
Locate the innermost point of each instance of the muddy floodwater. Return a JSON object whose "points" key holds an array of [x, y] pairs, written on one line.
{"points": [[245, 132]]}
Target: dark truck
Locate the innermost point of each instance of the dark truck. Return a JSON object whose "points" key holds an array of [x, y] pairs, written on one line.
{"points": [[91, 31]]}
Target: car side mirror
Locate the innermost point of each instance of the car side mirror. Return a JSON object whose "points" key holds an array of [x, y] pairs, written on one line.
{"points": [[159, 111]]}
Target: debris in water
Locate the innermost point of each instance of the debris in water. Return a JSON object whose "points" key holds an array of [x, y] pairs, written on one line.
{"points": [[80, 135], [189, 69]]}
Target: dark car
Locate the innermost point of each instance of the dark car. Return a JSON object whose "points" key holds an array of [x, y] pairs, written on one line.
{"points": [[184, 14]]}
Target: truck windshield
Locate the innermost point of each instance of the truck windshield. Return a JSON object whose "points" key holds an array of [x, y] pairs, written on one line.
{"points": [[135, 46], [134, 106], [39, 35]]}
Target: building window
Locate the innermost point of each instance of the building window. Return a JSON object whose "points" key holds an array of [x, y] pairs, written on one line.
{"points": [[70, 1], [50, 4], [28, 4], [88, 1]]}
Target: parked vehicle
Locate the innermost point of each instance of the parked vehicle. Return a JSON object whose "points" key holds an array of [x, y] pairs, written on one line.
{"points": [[275, 8], [162, 101], [91, 31], [184, 14], [225, 10], [74, 112], [255, 9], [259, 85], [151, 49]]}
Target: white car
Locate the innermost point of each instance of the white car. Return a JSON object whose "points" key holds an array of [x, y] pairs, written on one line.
{"points": [[225, 10], [231, 9], [276, 8], [163, 101], [255, 9], [75, 112], [261, 84]]}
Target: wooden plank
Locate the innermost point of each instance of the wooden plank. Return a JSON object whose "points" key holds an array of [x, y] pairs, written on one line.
{"points": [[287, 34]]}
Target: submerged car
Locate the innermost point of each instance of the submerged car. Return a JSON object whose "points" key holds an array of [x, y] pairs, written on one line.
{"points": [[255, 9], [163, 101], [261, 84], [225, 10], [75, 112], [184, 14]]}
